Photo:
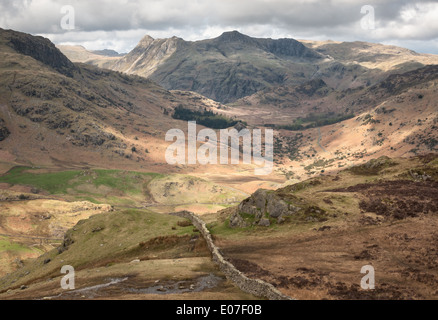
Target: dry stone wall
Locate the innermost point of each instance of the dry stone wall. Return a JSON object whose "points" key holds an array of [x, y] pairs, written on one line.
{"points": [[257, 287]]}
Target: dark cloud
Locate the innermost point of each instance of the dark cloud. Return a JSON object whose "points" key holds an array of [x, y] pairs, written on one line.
{"points": [[399, 21]]}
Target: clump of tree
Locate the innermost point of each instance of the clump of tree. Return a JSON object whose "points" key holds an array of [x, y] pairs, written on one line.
{"points": [[314, 121], [204, 117], [296, 126]]}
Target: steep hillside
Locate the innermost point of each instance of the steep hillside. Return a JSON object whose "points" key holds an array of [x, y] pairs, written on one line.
{"points": [[80, 54], [115, 120], [39, 48], [53, 111], [287, 103], [234, 66], [145, 58]]}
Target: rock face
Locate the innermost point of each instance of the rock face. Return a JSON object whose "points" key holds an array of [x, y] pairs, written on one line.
{"points": [[290, 48], [264, 222], [313, 87], [4, 132], [146, 57], [236, 221], [40, 49]]}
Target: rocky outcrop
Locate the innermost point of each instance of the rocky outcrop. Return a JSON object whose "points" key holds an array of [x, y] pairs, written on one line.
{"points": [[236, 221], [96, 138], [264, 222], [257, 287], [314, 87], [262, 205], [397, 83], [4, 132], [266, 207], [40, 49]]}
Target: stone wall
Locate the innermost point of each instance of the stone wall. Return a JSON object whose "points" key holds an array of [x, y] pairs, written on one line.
{"points": [[258, 288]]}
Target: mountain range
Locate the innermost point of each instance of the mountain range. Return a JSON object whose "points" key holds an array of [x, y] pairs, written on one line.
{"points": [[233, 65], [279, 83], [83, 169], [52, 108]]}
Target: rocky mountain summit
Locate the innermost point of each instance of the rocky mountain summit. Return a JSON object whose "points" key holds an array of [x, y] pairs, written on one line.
{"points": [[146, 57], [280, 47], [40, 49]]}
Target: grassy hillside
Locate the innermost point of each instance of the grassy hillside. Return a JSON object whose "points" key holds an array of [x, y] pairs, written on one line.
{"points": [[47, 202], [127, 254]]}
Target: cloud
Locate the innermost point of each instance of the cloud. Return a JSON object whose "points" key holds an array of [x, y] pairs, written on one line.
{"points": [[98, 22]]}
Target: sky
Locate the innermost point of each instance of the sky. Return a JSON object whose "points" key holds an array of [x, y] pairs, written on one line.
{"points": [[120, 24]]}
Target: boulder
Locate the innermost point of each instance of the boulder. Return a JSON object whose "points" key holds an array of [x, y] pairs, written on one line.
{"points": [[236, 221], [264, 222], [264, 202], [276, 207]]}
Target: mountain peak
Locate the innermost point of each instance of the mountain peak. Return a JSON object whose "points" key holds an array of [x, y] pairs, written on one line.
{"points": [[107, 53], [233, 32], [40, 49], [233, 36], [146, 41]]}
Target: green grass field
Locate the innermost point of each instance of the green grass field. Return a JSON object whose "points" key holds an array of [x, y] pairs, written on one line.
{"points": [[120, 188], [97, 185], [60, 182], [7, 245], [55, 183], [115, 237]]}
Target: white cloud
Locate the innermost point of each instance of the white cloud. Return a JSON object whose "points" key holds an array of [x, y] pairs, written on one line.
{"points": [[416, 22], [122, 23]]}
